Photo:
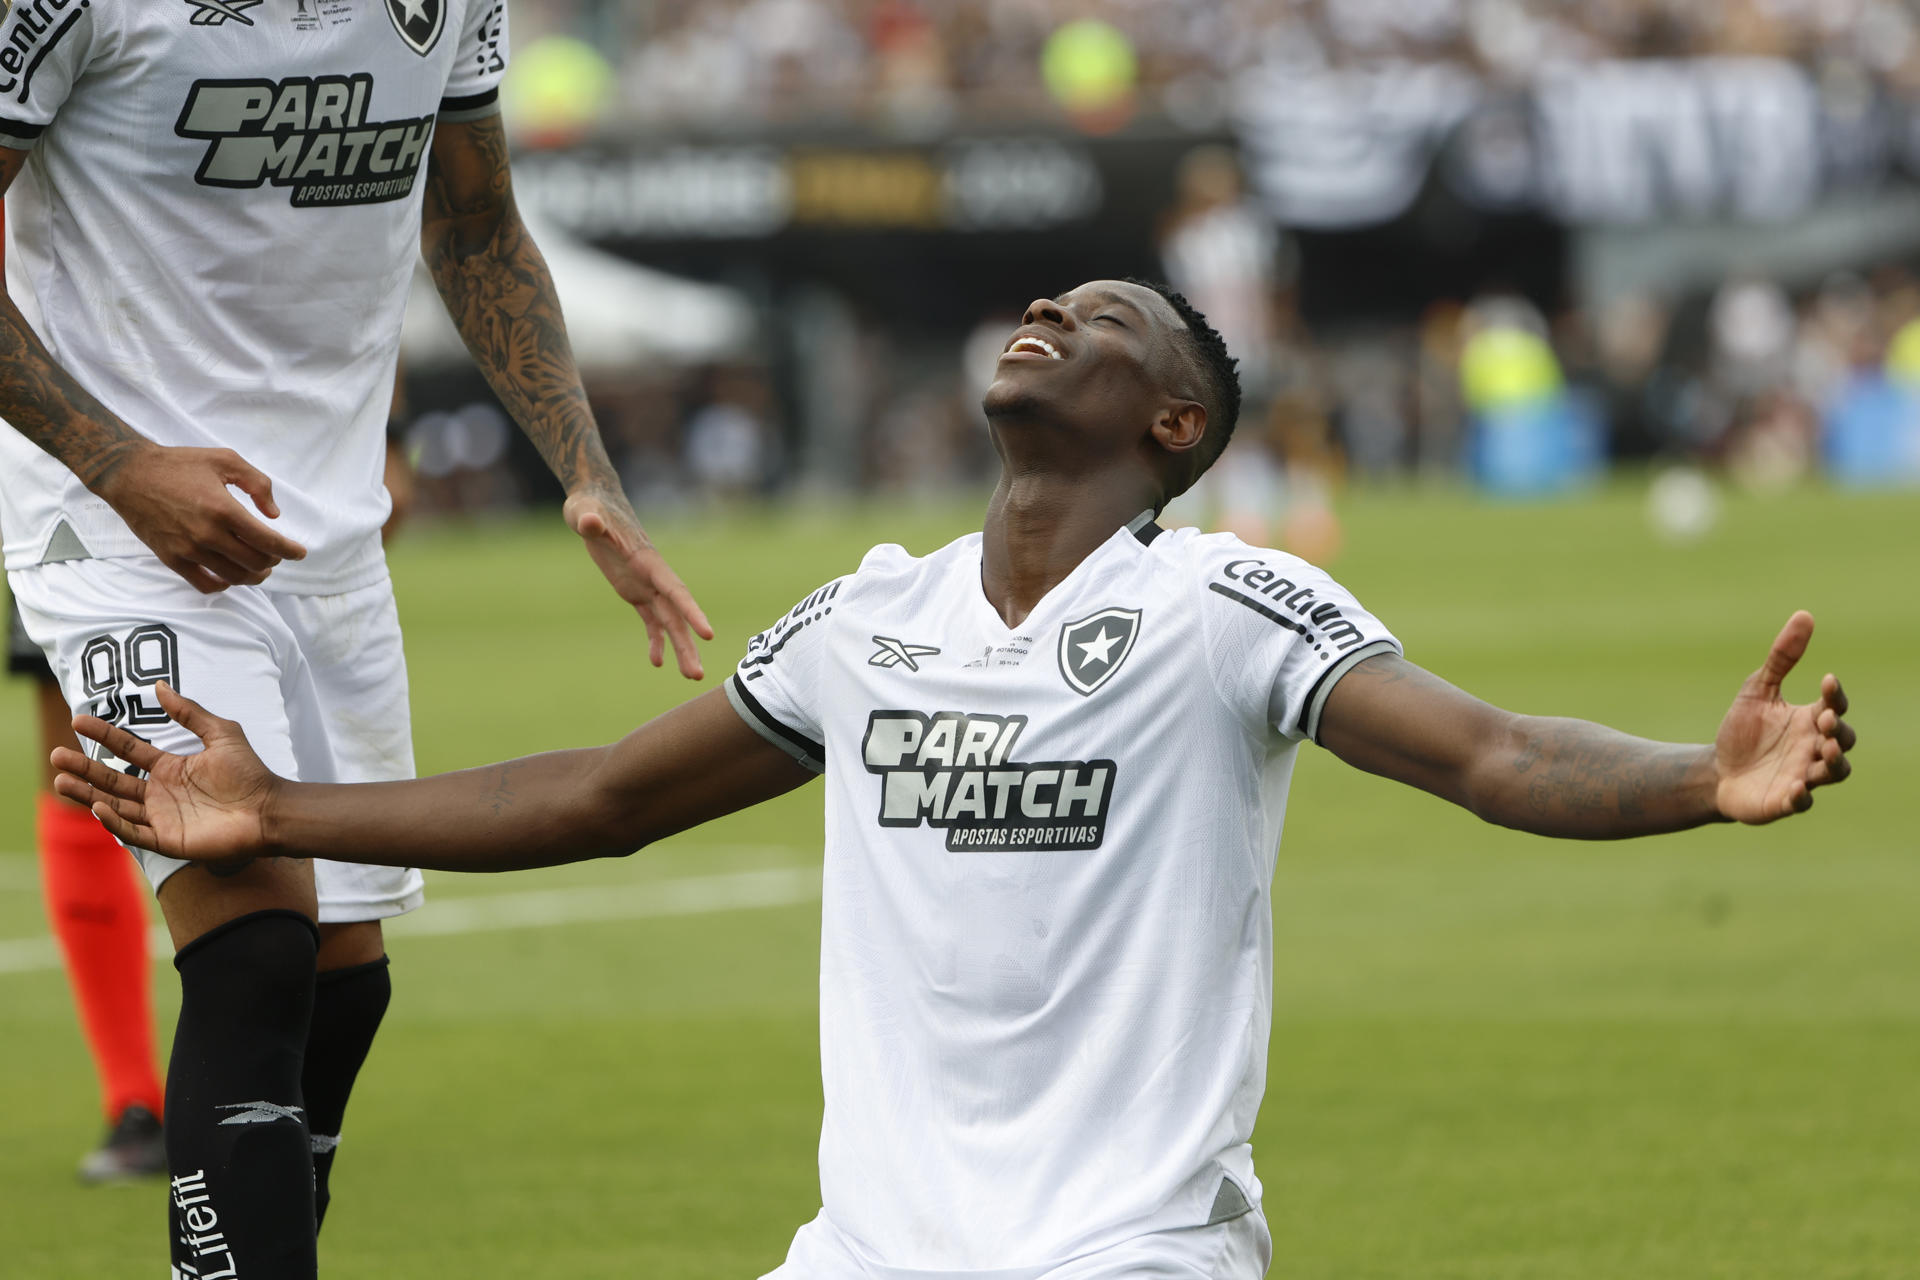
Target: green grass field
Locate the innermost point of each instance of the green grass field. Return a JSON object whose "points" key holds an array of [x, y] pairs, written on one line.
{"points": [[1493, 1057]]}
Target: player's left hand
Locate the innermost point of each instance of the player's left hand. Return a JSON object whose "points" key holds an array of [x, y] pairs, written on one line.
{"points": [[1771, 754], [207, 807], [643, 578]]}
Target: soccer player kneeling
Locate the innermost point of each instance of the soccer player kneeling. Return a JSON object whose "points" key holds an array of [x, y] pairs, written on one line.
{"points": [[1056, 755]]}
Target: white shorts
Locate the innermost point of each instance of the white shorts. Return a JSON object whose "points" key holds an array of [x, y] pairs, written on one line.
{"points": [[1237, 1249], [318, 682]]}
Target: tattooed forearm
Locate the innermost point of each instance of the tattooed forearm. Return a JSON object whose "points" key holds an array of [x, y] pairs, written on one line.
{"points": [[503, 795], [1573, 778], [502, 300], [1549, 776], [41, 400]]}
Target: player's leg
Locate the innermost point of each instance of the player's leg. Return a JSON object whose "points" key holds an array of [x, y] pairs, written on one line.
{"points": [[237, 1145], [356, 730], [350, 997], [97, 909], [236, 1136]]}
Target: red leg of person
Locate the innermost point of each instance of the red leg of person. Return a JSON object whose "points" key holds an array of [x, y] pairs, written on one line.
{"points": [[97, 906]]}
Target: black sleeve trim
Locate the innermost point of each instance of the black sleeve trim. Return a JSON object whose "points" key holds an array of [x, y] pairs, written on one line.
{"points": [[1317, 696], [763, 722], [18, 134], [470, 106]]}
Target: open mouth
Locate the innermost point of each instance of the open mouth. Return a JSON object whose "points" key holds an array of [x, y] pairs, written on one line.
{"points": [[1031, 347]]}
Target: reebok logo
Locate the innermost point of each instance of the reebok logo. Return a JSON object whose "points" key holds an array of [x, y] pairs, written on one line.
{"points": [[952, 771], [258, 1112], [897, 653], [215, 13], [310, 134]]}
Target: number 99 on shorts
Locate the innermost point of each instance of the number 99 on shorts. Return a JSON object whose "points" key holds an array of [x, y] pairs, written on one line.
{"points": [[115, 670]]}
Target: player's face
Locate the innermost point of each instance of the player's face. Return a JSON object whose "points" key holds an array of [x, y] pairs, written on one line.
{"points": [[1099, 357]]}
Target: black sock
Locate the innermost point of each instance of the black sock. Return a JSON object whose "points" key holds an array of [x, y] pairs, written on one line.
{"points": [[347, 1007], [241, 1203]]}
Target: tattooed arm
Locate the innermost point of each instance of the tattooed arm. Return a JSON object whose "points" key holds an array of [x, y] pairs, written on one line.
{"points": [[501, 297], [1571, 778], [691, 765], [174, 500]]}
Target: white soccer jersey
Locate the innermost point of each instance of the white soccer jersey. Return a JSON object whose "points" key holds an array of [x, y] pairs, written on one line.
{"points": [[215, 234], [1046, 944]]}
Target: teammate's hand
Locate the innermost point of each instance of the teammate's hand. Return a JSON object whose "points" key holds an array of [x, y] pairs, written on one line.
{"points": [[1771, 754], [642, 576], [209, 807], [176, 501]]}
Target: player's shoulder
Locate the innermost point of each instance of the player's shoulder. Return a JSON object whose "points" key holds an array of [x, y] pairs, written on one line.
{"points": [[35, 30], [1236, 584], [884, 572], [890, 567], [1205, 559]]}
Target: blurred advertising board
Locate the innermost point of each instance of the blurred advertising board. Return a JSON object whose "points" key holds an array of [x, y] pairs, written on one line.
{"points": [[955, 223]]}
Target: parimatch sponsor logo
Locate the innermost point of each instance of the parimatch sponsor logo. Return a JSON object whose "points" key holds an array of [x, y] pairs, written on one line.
{"points": [[954, 771], [311, 134]]}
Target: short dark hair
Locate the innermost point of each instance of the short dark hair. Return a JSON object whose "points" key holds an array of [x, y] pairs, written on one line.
{"points": [[1207, 357]]}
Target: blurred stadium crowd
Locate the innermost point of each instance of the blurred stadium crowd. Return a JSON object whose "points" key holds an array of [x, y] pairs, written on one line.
{"points": [[1510, 239], [711, 60]]}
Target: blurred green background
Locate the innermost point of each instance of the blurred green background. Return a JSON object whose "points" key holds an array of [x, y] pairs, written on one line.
{"points": [[1493, 1056]]}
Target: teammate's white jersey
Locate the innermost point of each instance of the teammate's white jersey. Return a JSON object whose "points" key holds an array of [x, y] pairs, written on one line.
{"points": [[215, 233], [1046, 943]]}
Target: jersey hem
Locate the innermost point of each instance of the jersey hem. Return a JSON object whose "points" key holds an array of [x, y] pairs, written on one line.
{"points": [[279, 581]]}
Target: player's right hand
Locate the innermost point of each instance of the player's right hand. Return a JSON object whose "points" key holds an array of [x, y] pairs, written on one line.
{"points": [[209, 807], [176, 501]]}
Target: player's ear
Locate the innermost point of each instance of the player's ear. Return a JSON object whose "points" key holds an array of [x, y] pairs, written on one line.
{"points": [[1181, 426]]}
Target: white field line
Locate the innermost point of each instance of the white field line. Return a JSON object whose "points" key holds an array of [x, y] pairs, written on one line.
{"points": [[533, 909]]}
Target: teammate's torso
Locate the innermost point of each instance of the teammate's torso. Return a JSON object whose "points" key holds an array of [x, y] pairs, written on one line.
{"points": [[303, 103], [217, 225]]}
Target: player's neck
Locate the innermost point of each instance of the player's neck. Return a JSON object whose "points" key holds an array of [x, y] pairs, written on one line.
{"points": [[1039, 528]]}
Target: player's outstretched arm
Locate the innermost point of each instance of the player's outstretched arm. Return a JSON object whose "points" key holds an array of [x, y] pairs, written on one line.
{"points": [[174, 500], [1573, 778], [695, 763], [501, 297]]}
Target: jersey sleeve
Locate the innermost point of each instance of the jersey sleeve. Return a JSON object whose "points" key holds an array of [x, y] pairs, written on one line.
{"points": [[1282, 633], [43, 53], [473, 90], [775, 687]]}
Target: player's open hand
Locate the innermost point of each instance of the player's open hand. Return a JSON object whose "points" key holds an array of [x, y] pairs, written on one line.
{"points": [[176, 501], [1770, 754], [209, 807], [642, 576]]}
